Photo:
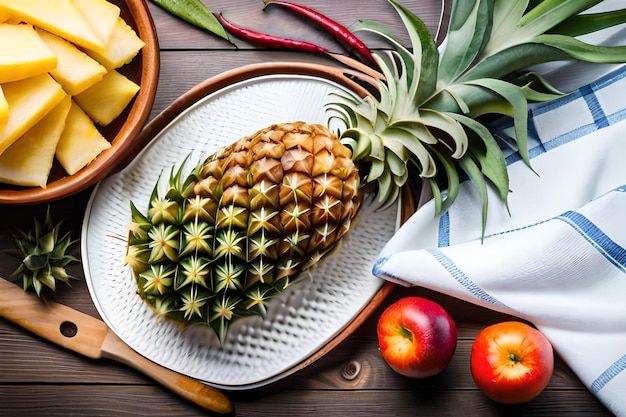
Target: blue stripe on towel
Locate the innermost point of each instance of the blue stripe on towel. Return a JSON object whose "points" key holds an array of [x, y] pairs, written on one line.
{"points": [[613, 252], [611, 372], [378, 271], [597, 112], [464, 280], [444, 230]]}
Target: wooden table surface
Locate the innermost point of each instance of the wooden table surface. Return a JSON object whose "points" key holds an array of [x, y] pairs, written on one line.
{"points": [[38, 378]]}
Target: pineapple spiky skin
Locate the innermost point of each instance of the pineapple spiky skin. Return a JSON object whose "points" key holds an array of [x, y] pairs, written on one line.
{"points": [[44, 254], [237, 231]]}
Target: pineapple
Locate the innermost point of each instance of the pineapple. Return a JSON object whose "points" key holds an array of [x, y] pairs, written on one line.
{"points": [[19, 165], [60, 17], [4, 109], [121, 48], [101, 15], [28, 100], [80, 141], [75, 70], [220, 242], [235, 233], [25, 55], [107, 99]]}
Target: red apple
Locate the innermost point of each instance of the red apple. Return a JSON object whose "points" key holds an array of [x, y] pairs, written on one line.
{"points": [[511, 362], [416, 337]]}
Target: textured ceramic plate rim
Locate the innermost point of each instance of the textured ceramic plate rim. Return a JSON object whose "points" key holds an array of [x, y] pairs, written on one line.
{"points": [[254, 382]]}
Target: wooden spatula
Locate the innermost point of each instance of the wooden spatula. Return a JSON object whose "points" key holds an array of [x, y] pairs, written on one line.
{"points": [[91, 337]]}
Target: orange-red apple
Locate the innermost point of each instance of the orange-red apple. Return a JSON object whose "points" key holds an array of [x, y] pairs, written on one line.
{"points": [[417, 337], [511, 362]]}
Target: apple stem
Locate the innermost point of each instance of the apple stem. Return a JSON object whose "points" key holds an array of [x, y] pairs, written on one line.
{"points": [[514, 357], [406, 333]]}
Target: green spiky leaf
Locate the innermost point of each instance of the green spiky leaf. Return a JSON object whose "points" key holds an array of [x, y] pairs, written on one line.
{"points": [[469, 28], [584, 24]]}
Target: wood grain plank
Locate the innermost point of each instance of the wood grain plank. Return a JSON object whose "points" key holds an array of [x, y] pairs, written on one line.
{"points": [[121, 401], [180, 70], [355, 363]]}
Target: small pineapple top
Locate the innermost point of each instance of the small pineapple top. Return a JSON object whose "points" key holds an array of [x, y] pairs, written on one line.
{"points": [[44, 253]]}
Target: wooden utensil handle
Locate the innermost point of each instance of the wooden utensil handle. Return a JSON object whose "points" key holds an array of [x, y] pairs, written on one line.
{"points": [[55, 322], [188, 388]]}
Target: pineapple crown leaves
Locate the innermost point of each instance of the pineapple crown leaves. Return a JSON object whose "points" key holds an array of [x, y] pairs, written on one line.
{"points": [[430, 103], [44, 254], [525, 33]]}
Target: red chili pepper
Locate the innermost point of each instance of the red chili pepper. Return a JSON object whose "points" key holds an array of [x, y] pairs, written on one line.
{"points": [[341, 33], [268, 41]]}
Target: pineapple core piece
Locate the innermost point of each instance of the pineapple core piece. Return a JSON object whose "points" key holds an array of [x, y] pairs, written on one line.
{"points": [[80, 141], [106, 100], [29, 159], [60, 17], [29, 100], [122, 47], [101, 15], [22, 53], [75, 71]]}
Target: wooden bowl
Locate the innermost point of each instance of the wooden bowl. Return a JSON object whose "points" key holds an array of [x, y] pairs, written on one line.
{"points": [[143, 70]]}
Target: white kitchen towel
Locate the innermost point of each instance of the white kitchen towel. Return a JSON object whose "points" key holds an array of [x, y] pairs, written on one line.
{"points": [[557, 258]]}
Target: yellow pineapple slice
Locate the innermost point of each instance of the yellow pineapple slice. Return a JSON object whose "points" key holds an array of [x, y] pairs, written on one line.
{"points": [[28, 160], [29, 100], [4, 110], [123, 46], [75, 71], [101, 15], [22, 53], [104, 101], [60, 17], [80, 142], [6, 17]]}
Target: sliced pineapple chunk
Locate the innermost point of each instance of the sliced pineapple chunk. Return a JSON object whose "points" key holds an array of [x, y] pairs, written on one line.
{"points": [[60, 17], [75, 71], [6, 17], [9, 19], [28, 160], [22, 53], [108, 98], [80, 142], [4, 110], [29, 100], [121, 48], [101, 15]]}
